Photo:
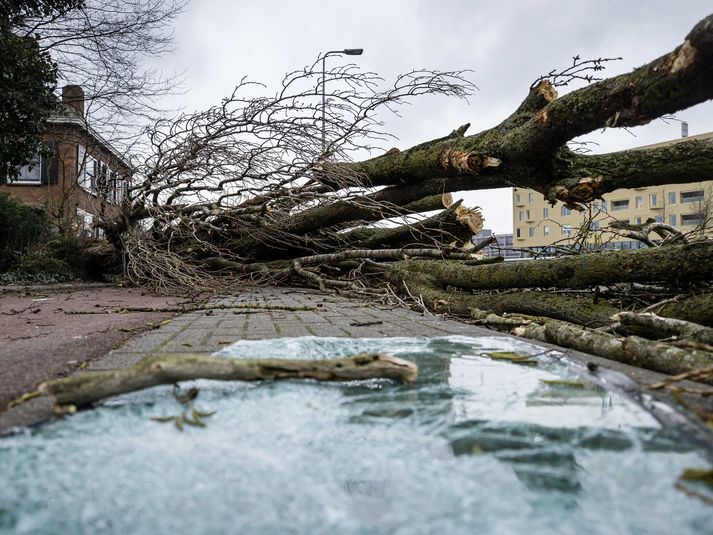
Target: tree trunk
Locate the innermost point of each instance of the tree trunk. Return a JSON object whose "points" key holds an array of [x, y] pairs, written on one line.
{"points": [[679, 264], [575, 309]]}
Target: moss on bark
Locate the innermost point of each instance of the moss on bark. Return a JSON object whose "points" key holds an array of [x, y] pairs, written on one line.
{"points": [[693, 262]]}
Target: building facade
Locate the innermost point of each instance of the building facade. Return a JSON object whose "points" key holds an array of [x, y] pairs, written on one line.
{"points": [[538, 225], [81, 177]]}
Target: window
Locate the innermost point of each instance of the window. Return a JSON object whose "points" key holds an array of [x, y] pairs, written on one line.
{"points": [[532, 232], [41, 170], [89, 173], [527, 215], [671, 197], [672, 220], [692, 196], [638, 221], [652, 200], [545, 213], [85, 219], [620, 205], [565, 210], [120, 189], [517, 199], [566, 230], [690, 219], [102, 179], [85, 168], [31, 173], [594, 225], [546, 230], [531, 198], [517, 232], [521, 215], [659, 219], [639, 201], [604, 206]]}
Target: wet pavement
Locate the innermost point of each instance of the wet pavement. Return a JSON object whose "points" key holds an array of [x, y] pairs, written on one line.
{"points": [[49, 332]]}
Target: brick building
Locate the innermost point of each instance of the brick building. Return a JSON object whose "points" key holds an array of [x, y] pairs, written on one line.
{"points": [[84, 179]]}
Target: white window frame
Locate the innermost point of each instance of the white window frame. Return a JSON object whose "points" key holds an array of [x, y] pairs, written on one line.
{"points": [[34, 169]]}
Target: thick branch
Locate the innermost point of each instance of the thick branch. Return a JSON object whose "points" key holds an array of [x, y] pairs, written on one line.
{"points": [[587, 177], [677, 264], [673, 82], [86, 388], [577, 310], [651, 324], [631, 350]]}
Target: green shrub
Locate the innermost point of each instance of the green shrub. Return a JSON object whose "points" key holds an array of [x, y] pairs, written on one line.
{"points": [[23, 227], [41, 262], [68, 248]]}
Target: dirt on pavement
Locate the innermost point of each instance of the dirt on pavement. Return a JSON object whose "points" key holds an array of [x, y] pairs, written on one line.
{"points": [[50, 331]]}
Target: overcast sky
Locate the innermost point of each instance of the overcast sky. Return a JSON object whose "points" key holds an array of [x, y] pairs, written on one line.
{"points": [[506, 43]]}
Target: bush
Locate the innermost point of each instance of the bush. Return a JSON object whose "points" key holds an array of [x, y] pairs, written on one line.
{"points": [[41, 262], [23, 227]]}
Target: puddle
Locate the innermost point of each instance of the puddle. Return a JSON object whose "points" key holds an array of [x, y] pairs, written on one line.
{"points": [[475, 446]]}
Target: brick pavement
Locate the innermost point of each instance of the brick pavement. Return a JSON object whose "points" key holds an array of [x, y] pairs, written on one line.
{"points": [[278, 313], [259, 313]]}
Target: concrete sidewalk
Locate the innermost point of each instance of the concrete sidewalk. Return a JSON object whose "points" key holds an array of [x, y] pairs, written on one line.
{"points": [[261, 313]]}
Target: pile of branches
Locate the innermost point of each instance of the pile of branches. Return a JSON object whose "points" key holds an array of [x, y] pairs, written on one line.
{"points": [[252, 190]]}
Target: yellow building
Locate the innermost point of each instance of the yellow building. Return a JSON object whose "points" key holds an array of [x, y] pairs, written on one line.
{"points": [[538, 225]]}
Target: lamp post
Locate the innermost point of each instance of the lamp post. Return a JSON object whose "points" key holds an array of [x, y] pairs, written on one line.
{"points": [[348, 52]]}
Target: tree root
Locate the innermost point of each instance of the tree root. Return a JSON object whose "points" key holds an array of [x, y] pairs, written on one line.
{"points": [[86, 388]]}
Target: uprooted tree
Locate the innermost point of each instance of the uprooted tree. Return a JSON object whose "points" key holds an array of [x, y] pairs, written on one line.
{"points": [[250, 191]]}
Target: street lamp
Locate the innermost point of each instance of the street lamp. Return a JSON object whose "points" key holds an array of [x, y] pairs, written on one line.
{"points": [[348, 52]]}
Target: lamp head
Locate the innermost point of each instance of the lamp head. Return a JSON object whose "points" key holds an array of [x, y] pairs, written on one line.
{"points": [[353, 51]]}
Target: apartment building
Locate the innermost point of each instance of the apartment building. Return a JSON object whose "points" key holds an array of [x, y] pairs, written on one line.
{"points": [[538, 225], [81, 177]]}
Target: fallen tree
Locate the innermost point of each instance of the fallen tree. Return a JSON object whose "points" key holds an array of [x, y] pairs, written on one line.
{"points": [[250, 191]]}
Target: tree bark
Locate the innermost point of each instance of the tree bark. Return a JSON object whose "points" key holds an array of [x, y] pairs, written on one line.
{"points": [[698, 309], [677, 264], [88, 387], [631, 350], [575, 309], [653, 326]]}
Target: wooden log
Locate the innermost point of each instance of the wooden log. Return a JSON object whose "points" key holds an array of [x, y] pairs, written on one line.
{"points": [[632, 350], [85, 388], [653, 326]]}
